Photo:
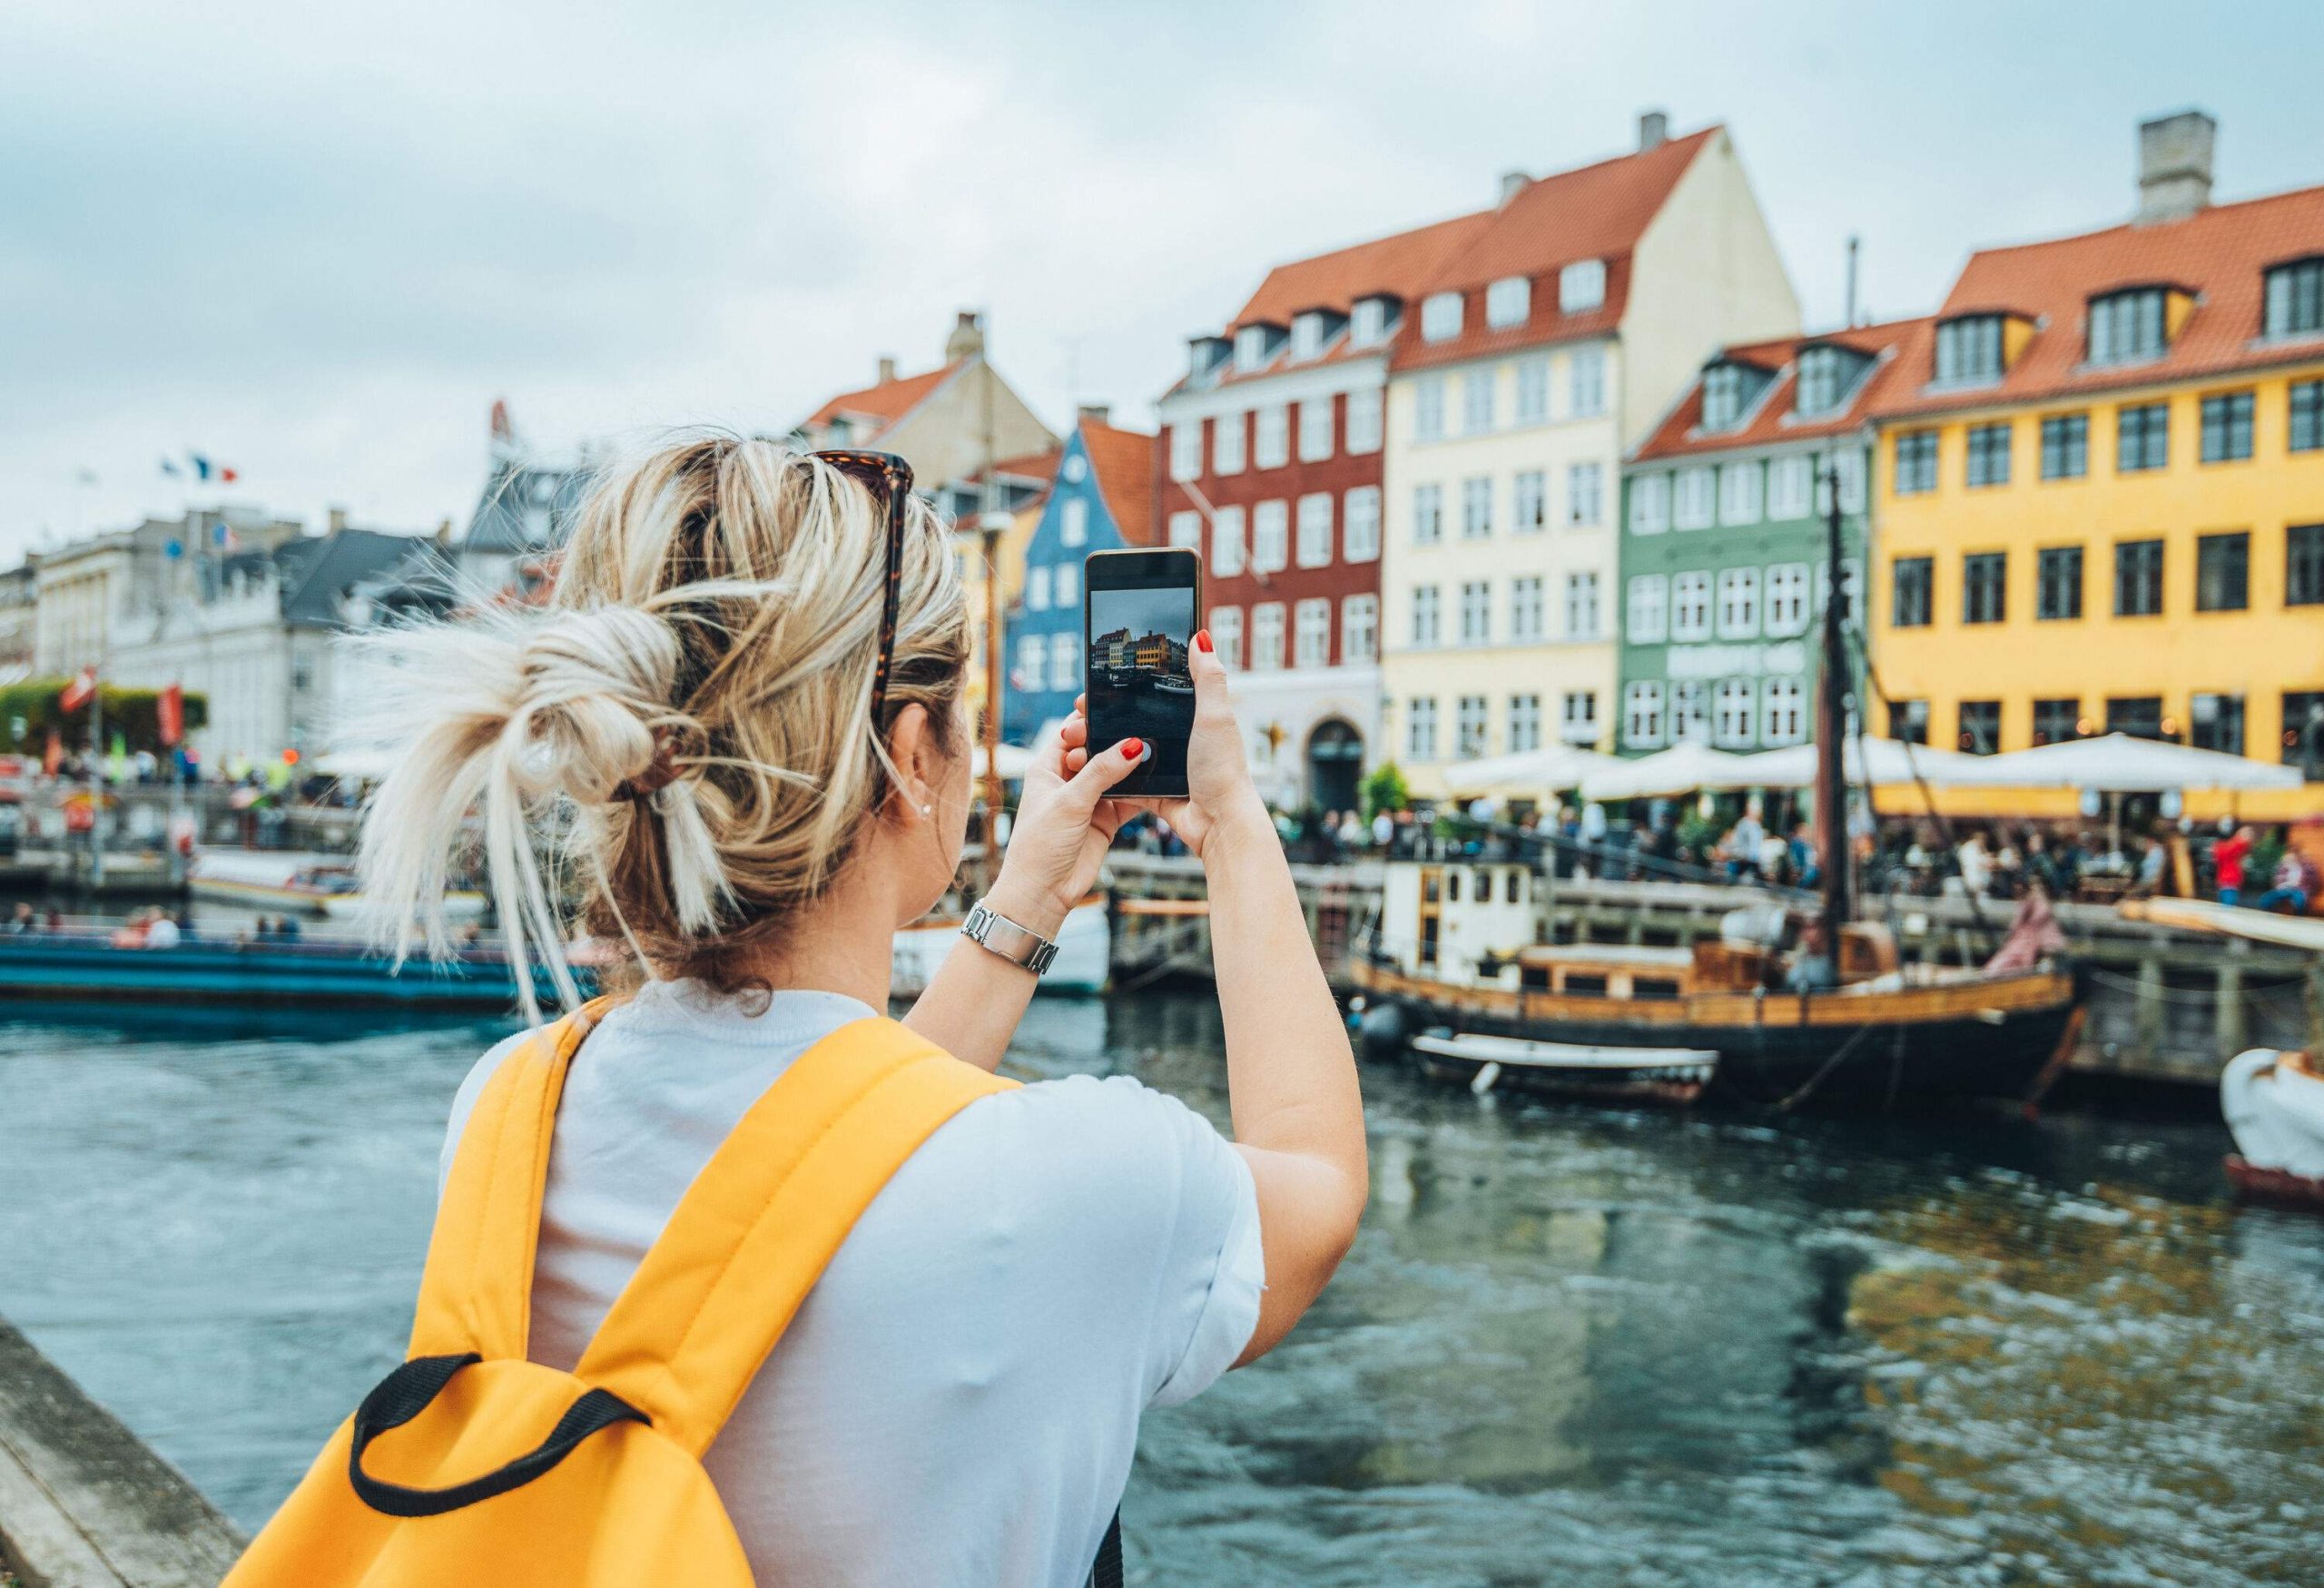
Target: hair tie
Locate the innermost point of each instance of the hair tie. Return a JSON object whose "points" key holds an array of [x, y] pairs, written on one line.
{"points": [[660, 772]]}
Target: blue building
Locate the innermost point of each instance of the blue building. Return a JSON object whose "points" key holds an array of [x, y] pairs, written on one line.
{"points": [[1102, 500]]}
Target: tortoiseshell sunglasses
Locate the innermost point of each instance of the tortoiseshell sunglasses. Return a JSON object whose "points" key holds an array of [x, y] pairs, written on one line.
{"points": [[888, 480]]}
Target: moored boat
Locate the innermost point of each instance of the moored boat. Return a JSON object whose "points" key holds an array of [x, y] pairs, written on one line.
{"points": [[1607, 1074], [84, 965], [311, 885], [1084, 952]]}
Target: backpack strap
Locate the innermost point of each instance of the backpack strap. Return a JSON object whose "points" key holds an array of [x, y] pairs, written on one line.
{"points": [[755, 1231], [476, 1293]]}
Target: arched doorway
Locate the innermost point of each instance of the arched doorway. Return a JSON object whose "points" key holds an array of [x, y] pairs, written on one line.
{"points": [[1334, 765]]}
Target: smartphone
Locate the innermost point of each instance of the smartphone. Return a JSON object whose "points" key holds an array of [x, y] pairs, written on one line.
{"points": [[1137, 618]]}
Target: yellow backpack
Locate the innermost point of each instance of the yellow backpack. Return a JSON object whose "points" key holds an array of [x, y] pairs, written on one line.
{"points": [[469, 1463]]}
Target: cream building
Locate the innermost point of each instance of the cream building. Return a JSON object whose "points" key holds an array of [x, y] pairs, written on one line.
{"points": [[1559, 336]]}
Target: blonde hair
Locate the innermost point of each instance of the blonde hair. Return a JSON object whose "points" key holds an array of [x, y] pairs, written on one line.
{"points": [[715, 624]]}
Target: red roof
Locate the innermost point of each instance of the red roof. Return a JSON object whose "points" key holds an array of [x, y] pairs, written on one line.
{"points": [[1122, 461], [1334, 280], [1598, 212], [888, 401], [2218, 253], [1902, 346]]}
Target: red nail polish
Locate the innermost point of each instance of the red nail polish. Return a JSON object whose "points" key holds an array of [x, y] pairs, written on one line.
{"points": [[1202, 640], [1134, 748]]}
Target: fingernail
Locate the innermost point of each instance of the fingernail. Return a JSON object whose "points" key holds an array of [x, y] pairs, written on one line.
{"points": [[1134, 748], [1202, 640]]}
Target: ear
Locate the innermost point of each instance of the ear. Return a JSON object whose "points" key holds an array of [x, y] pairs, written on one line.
{"points": [[918, 753]]}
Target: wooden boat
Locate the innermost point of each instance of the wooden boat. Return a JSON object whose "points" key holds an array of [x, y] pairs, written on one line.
{"points": [[2277, 1187], [1084, 952], [81, 965], [1649, 1075], [311, 885]]}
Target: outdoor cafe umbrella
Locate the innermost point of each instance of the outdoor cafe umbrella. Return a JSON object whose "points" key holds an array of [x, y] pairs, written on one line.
{"points": [[2119, 763], [1681, 769], [1559, 766], [1890, 760]]}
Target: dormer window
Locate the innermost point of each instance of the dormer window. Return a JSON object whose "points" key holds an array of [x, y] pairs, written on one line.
{"points": [[1204, 355], [2295, 299], [1253, 344], [1581, 285], [1826, 375], [2127, 326], [1728, 391], [1509, 303], [1307, 334], [1440, 317], [1369, 327], [1969, 349]]}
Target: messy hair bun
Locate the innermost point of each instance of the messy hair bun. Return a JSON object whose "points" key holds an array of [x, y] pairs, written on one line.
{"points": [[677, 752]]}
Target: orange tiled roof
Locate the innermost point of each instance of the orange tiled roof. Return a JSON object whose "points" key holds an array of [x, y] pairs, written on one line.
{"points": [[2218, 253], [1334, 280], [1902, 345], [1598, 212], [1122, 461], [888, 401]]}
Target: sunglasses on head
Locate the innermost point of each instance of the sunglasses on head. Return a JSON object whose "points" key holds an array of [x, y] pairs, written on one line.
{"points": [[888, 480]]}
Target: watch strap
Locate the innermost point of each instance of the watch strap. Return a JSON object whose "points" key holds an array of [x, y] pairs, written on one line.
{"points": [[1019, 945]]}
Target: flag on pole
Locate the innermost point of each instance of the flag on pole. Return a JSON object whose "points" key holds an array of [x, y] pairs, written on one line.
{"points": [[200, 465], [170, 467], [229, 475], [169, 713], [80, 692]]}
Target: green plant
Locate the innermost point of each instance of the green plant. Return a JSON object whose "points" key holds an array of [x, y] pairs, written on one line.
{"points": [[36, 704], [1384, 789]]}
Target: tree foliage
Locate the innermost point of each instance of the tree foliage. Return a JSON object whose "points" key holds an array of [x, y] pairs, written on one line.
{"points": [[37, 705]]}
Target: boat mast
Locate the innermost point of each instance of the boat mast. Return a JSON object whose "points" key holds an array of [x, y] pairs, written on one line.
{"points": [[1832, 725]]}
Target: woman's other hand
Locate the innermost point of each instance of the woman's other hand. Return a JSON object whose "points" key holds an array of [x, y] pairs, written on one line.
{"points": [[1061, 830], [1220, 795]]}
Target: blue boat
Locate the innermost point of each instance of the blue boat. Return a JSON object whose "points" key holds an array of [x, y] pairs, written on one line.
{"points": [[81, 966]]}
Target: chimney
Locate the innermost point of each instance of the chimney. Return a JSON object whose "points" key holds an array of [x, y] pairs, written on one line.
{"points": [[1653, 130], [1513, 183], [1097, 413], [443, 532], [887, 367], [2174, 166], [967, 339], [338, 519]]}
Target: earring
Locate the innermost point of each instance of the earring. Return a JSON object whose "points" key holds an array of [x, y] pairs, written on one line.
{"points": [[926, 810]]}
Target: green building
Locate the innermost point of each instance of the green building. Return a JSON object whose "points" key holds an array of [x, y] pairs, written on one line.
{"points": [[1723, 564]]}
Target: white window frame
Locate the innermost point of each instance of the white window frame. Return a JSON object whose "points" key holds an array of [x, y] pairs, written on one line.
{"points": [[1848, 463], [1689, 703], [1428, 408], [1529, 501], [1532, 391], [1523, 732], [1186, 450], [1228, 555], [1694, 498], [1440, 317], [1585, 495], [1739, 603], [1270, 539], [1367, 327], [1650, 503], [1784, 605], [1735, 714], [1037, 587], [1229, 448], [1032, 662], [1476, 612], [1476, 507], [1366, 419], [1477, 402], [1311, 633], [1314, 550], [1250, 348], [1578, 717], [1642, 714], [1472, 728], [1509, 303], [1582, 286], [1306, 335], [1427, 616], [1428, 514], [1791, 488], [1420, 729], [1271, 448], [1068, 585], [1073, 521], [1065, 661], [1185, 529], [1266, 637], [1690, 607], [1359, 630], [1226, 634], [1360, 537], [1526, 610], [1316, 429], [1586, 382], [1783, 711], [1645, 616], [1583, 600], [1738, 493]]}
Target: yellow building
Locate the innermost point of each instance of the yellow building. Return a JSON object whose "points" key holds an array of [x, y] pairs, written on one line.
{"points": [[2101, 502]]}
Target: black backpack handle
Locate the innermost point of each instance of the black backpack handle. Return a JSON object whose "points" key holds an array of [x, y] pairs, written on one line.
{"points": [[406, 1393]]}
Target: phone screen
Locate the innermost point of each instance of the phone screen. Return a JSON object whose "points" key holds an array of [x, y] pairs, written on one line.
{"points": [[1137, 619]]}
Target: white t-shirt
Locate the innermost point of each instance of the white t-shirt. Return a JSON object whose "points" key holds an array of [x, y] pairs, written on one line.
{"points": [[958, 1400]]}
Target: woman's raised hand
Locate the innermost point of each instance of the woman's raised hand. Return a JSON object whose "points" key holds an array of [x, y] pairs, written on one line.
{"points": [[1220, 795], [1063, 826]]}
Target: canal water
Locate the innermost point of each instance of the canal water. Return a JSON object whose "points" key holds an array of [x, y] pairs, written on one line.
{"points": [[1571, 1345]]}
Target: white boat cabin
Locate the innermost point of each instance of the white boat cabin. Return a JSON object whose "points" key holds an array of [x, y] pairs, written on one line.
{"points": [[1461, 922]]}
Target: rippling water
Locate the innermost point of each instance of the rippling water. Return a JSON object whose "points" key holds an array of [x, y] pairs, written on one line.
{"points": [[1571, 1345]]}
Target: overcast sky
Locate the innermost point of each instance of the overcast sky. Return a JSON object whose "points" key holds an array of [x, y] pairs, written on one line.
{"points": [[315, 242]]}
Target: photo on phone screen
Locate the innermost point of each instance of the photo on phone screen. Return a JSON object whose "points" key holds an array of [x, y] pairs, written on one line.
{"points": [[1138, 618]]}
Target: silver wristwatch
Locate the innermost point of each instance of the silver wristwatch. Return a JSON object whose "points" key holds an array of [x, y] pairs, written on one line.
{"points": [[1019, 945]]}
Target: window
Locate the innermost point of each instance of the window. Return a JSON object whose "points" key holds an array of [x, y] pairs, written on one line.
{"points": [[1069, 583], [1691, 711], [1787, 604], [2138, 578], [1065, 661], [1509, 301], [1739, 494], [1266, 637], [1311, 638], [1363, 419], [1788, 480], [1471, 729], [1476, 507], [1585, 493], [1186, 451], [1532, 391], [2303, 731], [1316, 530], [1524, 723], [1851, 589], [1073, 523], [2307, 415], [1359, 630], [1476, 403], [1185, 530], [1250, 347], [1980, 733], [1822, 382], [1916, 462], [2138, 716], [1581, 285], [1529, 501], [2304, 565], [1722, 397], [1226, 633], [1361, 540], [1581, 605], [1783, 715], [1577, 716], [1270, 537], [1036, 588], [1306, 335], [2124, 326], [1969, 349], [1650, 504], [1988, 455], [1697, 498], [1525, 608], [1369, 328], [1646, 621], [1440, 317], [1642, 714], [1428, 514], [1272, 448], [2141, 436], [2215, 722], [1476, 612], [1848, 468], [2295, 299], [1586, 376], [1032, 653], [1316, 429], [1912, 592], [1739, 604], [1226, 542], [1420, 728], [2223, 572], [2227, 427], [2065, 445], [1908, 721], [1428, 408], [1228, 434], [1985, 586], [1690, 607], [2057, 582], [1426, 631], [2056, 721], [1733, 724]]}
